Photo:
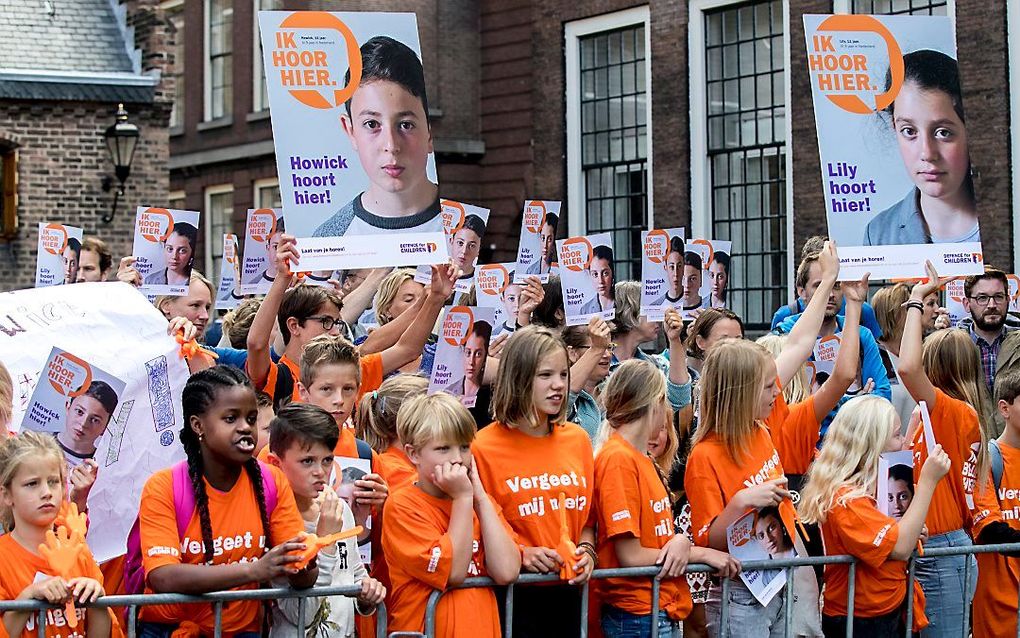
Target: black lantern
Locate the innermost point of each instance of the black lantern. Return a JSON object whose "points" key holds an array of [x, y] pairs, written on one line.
{"points": [[121, 140]]}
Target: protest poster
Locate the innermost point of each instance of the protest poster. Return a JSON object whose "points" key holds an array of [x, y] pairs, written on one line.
{"points": [[347, 470], [262, 230], [462, 351], [165, 244], [893, 145], [495, 288], [59, 255], [761, 535], [227, 295], [955, 295], [326, 254], [662, 269], [464, 226], [697, 288], [715, 276], [536, 252], [335, 179], [895, 483], [115, 330], [586, 277]]}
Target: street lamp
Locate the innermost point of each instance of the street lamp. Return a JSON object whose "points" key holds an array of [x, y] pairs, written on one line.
{"points": [[121, 139]]}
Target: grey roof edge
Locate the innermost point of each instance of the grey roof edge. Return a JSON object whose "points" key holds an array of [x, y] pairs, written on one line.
{"points": [[79, 77], [77, 92], [127, 34]]}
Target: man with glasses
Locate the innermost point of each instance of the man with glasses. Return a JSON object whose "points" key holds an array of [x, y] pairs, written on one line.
{"points": [[986, 298]]}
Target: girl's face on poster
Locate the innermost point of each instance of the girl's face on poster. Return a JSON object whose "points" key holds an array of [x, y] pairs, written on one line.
{"points": [[549, 388], [510, 303], [36, 491], [692, 284], [899, 498], [464, 249], [86, 421], [548, 243], [475, 351], [601, 272], [194, 307], [177, 250], [769, 532], [70, 259], [932, 140], [718, 276]]}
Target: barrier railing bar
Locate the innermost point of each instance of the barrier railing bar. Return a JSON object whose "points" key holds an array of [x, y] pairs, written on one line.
{"points": [[656, 583], [851, 593], [508, 611], [1018, 615], [132, 620], [724, 608], [966, 598], [910, 594], [218, 619], [788, 603], [301, 617], [40, 624], [430, 612], [585, 590]]}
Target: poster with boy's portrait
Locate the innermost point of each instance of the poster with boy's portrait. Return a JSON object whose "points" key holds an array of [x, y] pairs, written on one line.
{"points": [[347, 470], [536, 251], [760, 535], [262, 230], [464, 226], [59, 255], [895, 483], [165, 245], [350, 123], [661, 271], [587, 277], [892, 136]]}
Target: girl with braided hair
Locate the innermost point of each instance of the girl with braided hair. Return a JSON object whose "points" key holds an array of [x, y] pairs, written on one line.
{"points": [[240, 507]]}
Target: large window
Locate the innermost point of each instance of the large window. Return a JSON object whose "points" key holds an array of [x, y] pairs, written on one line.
{"points": [[899, 7], [260, 99], [8, 191], [219, 73], [267, 194], [175, 13], [219, 213], [608, 144], [745, 88]]}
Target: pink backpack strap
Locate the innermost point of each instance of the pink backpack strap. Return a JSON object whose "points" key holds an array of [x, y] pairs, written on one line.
{"points": [[184, 497], [268, 488]]}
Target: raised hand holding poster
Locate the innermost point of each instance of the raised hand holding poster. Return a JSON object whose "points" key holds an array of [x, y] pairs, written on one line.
{"points": [[586, 277], [262, 230], [536, 252], [59, 255], [350, 123], [230, 274], [464, 226], [462, 351], [662, 267], [892, 137], [165, 245]]}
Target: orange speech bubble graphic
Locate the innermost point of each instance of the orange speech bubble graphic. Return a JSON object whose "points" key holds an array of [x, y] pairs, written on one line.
{"points": [[711, 253], [299, 67], [493, 279], [64, 370], [54, 238], [954, 290], [575, 254], [151, 224], [262, 224], [534, 215], [1014, 287], [452, 214], [657, 246], [835, 74], [457, 325]]}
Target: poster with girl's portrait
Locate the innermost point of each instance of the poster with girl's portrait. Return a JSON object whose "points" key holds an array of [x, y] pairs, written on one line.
{"points": [[464, 226], [228, 293], [587, 277], [462, 351], [892, 136], [75, 401], [536, 252], [895, 483], [756, 536], [166, 241], [347, 470], [715, 271], [59, 255], [262, 230], [662, 269]]}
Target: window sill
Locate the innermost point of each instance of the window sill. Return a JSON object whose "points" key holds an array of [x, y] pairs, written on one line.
{"points": [[176, 130], [222, 122], [257, 116]]}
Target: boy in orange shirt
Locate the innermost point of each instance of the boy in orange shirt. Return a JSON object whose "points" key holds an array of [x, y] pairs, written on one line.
{"points": [[444, 528]]}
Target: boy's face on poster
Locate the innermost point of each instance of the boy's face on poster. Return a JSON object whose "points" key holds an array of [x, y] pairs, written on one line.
{"points": [[719, 278], [510, 296], [675, 273], [692, 284], [475, 351], [86, 421], [899, 498], [177, 250], [389, 131], [88, 266], [768, 530], [464, 249], [602, 276], [70, 260], [548, 242], [932, 140], [271, 246]]}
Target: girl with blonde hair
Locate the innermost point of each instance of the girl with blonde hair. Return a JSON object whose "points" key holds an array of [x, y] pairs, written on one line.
{"points": [[529, 460], [945, 372], [6, 401], [627, 479], [840, 495]]}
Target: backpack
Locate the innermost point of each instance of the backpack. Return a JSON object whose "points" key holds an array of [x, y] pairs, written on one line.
{"points": [[184, 507], [995, 455]]}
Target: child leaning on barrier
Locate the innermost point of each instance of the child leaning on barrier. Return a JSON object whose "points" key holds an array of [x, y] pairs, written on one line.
{"points": [[840, 495], [444, 528], [302, 440], [635, 514]]}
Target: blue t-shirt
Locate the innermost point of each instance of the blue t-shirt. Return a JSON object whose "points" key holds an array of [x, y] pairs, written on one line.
{"points": [[868, 319]]}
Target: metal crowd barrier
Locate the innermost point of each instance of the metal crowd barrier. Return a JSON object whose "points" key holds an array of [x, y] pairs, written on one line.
{"points": [[134, 601]]}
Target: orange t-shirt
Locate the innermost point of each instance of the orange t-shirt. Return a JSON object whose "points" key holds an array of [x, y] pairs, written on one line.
{"points": [[22, 567], [419, 550], [631, 502], [796, 437], [995, 602], [371, 376], [396, 469], [525, 475], [237, 537], [859, 529], [956, 428]]}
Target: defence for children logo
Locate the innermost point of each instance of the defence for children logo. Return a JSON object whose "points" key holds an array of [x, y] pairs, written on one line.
{"points": [[54, 238], [452, 214], [576, 254], [262, 224], [841, 64], [155, 224], [69, 375], [657, 246], [493, 279], [304, 59], [457, 325], [415, 247]]}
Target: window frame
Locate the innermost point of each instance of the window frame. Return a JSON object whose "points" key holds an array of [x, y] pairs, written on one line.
{"points": [[258, 69], [207, 195], [572, 33], [177, 6], [257, 187], [9, 176], [228, 109]]}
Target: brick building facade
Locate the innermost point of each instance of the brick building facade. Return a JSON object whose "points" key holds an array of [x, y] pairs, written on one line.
{"points": [[64, 67]]}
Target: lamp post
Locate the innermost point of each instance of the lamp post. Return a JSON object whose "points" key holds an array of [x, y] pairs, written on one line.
{"points": [[121, 139]]}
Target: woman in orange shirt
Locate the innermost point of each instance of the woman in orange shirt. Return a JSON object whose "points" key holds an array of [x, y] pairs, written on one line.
{"points": [[840, 495], [635, 514], [526, 459], [32, 480], [945, 373], [229, 540]]}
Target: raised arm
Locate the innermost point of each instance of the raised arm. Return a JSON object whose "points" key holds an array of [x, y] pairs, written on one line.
{"points": [[261, 331], [911, 367], [801, 340], [358, 301], [581, 371], [844, 373], [411, 344]]}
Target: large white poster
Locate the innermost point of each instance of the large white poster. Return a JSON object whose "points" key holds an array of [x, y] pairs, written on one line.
{"points": [[112, 327], [892, 138]]}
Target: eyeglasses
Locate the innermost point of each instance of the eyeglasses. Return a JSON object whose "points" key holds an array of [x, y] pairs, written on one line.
{"points": [[982, 300], [611, 347], [326, 321]]}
